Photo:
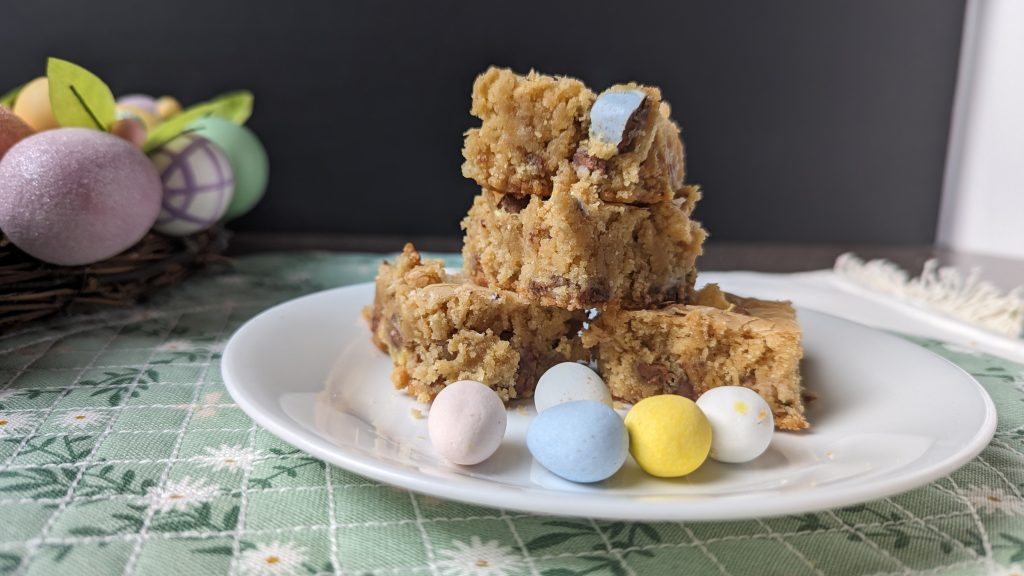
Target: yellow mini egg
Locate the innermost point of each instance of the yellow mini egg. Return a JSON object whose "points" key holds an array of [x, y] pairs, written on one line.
{"points": [[33, 105], [167, 106], [669, 436]]}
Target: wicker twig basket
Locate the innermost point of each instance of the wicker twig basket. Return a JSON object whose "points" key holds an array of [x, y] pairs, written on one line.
{"points": [[30, 289]]}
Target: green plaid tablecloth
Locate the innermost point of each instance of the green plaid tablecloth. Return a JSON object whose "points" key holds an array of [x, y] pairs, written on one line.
{"points": [[121, 452]]}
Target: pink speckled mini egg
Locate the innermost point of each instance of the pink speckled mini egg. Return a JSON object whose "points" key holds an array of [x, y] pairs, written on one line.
{"points": [[198, 183], [74, 196]]}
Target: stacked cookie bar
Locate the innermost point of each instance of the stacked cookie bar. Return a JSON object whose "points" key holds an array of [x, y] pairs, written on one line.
{"points": [[580, 247]]}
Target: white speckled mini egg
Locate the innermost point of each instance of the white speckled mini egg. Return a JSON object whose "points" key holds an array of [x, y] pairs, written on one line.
{"points": [[568, 382], [467, 422], [741, 423]]}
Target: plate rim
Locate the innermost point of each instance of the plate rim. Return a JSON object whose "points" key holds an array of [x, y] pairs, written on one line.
{"points": [[556, 503]]}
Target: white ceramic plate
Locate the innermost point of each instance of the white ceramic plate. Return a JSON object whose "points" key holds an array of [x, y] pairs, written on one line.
{"points": [[889, 416]]}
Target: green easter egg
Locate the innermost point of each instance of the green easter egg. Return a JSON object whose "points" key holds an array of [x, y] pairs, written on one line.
{"points": [[247, 157]]}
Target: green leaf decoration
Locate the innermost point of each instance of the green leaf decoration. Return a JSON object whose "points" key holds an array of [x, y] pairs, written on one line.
{"points": [[10, 96], [233, 106], [78, 97], [177, 125]]}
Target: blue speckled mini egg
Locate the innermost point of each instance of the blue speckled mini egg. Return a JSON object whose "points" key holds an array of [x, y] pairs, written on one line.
{"points": [[582, 441]]}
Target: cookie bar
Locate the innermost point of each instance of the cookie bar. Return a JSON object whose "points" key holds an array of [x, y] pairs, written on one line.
{"points": [[440, 328], [533, 124], [575, 251], [688, 349]]}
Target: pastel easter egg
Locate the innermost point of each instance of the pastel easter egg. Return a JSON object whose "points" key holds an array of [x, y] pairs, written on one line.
{"points": [[75, 196], [12, 130], [197, 181], [33, 105], [741, 423], [668, 435], [467, 422], [581, 441], [131, 130], [140, 101], [167, 106], [128, 111], [567, 382], [248, 160]]}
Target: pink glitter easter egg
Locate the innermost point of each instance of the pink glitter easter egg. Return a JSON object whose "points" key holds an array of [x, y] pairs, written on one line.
{"points": [[72, 196], [198, 184]]}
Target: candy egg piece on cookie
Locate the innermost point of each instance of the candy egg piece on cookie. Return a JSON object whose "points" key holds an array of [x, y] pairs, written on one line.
{"points": [[248, 160], [467, 422], [669, 436], [612, 116], [197, 181], [581, 441], [567, 382], [33, 105], [74, 196], [741, 423]]}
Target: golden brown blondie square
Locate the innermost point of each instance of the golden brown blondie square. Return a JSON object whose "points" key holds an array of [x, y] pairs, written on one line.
{"points": [[575, 251], [688, 349], [533, 124], [439, 328]]}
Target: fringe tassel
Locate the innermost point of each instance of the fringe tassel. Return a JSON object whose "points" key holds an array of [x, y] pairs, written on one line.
{"points": [[944, 289]]}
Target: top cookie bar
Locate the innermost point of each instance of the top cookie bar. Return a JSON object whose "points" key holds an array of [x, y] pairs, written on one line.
{"points": [[533, 124]]}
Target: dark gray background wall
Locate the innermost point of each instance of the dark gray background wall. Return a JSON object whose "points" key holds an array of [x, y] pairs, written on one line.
{"points": [[805, 120]]}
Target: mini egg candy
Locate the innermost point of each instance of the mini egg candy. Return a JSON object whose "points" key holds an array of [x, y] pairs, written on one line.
{"points": [[33, 105], [669, 436], [741, 423], [143, 102], [131, 130], [198, 182], [127, 111], [167, 106], [75, 196], [567, 382], [466, 422], [12, 130], [581, 441], [248, 160]]}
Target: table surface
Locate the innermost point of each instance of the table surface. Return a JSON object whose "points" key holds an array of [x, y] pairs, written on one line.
{"points": [[121, 452]]}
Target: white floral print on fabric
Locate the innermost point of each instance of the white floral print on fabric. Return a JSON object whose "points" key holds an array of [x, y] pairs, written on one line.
{"points": [[11, 423], [181, 494], [175, 346], [81, 418], [209, 408], [271, 559], [478, 559], [957, 348], [1013, 570], [993, 500], [229, 457]]}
